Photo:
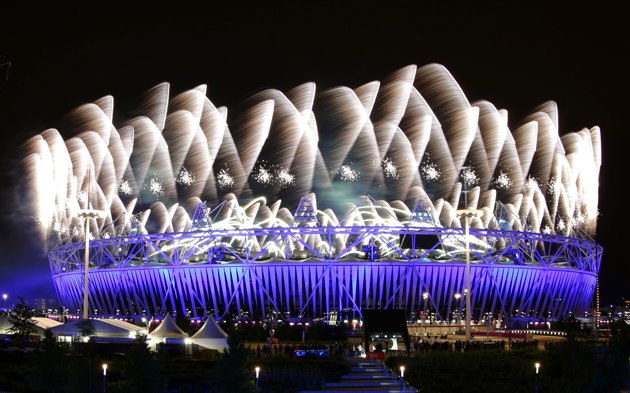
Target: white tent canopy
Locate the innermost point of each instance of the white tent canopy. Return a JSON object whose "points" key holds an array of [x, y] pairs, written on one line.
{"points": [[102, 328], [167, 329], [166, 332], [45, 323], [211, 336], [41, 324], [130, 327]]}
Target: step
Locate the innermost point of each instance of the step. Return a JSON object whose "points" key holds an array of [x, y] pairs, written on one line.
{"points": [[366, 377], [365, 363], [379, 370], [370, 368], [362, 384], [408, 389]]}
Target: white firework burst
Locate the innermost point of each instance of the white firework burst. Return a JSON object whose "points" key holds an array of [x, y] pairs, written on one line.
{"points": [[348, 174], [431, 172], [156, 187], [285, 178], [224, 179], [561, 225], [503, 181], [578, 219], [553, 187], [389, 168], [531, 183], [469, 177], [125, 188], [546, 230], [263, 175], [185, 178]]}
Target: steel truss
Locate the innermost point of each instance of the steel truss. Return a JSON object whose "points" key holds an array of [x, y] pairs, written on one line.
{"points": [[316, 271]]}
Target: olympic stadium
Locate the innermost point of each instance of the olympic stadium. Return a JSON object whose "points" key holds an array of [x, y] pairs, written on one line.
{"points": [[318, 204]]}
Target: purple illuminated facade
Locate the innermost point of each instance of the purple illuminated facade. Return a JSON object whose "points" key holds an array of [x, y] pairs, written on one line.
{"points": [[314, 204], [530, 274]]}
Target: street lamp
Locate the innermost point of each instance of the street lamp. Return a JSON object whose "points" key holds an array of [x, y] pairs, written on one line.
{"points": [[537, 366], [5, 297], [402, 377], [468, 214], [104, 377], [425, 297], [257, 369], [457, 297]]}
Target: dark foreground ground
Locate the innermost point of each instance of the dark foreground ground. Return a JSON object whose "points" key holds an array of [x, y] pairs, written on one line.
{"points": [[573, 365]]}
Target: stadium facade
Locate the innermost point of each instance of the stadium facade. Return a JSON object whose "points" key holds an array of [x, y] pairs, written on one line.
{"points": [[312, 204]]}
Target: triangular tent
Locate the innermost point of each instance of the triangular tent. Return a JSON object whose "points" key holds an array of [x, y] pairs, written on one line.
{"points": [[210, 335], [167, 329], [210, 329]]}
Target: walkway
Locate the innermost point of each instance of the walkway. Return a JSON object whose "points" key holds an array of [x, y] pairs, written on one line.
{"points": [[367, 376]]}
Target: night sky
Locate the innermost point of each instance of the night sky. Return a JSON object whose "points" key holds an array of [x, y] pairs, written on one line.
{"points": [[516, 58]]}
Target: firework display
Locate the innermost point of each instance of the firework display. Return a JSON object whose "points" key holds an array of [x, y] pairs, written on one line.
{"points": [[313, 202]]}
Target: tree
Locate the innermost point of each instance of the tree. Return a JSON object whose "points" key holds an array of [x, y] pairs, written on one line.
{"points": [[22, 325], [41, 376], [231, 372], [140, 370]]}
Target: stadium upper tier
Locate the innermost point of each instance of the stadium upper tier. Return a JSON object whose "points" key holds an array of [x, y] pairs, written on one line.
{"points": [[413, 143]]}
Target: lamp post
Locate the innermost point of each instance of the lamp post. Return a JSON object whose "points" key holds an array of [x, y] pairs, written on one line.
{"points": [[402, 377], [425, 297], [537, 367], [104, 377], [257, 369], [468, 214], [5, 297], [457, 297]]}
